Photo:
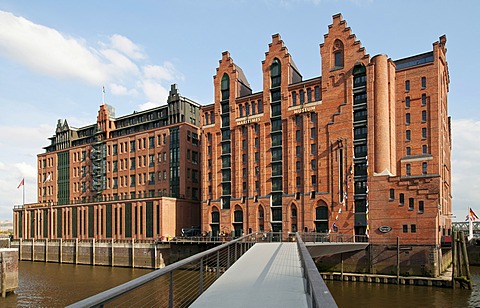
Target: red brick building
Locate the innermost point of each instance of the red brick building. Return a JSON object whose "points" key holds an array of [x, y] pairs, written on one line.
{"points": [[363, 149], [135, 176]]}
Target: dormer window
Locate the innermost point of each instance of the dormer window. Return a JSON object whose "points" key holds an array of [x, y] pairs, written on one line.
{"points": [[338, 54]]}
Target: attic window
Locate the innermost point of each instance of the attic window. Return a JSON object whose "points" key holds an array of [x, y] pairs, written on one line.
{"points": [[338, 54]]}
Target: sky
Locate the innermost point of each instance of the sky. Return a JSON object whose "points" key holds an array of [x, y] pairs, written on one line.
{"points": [[55, 57]]}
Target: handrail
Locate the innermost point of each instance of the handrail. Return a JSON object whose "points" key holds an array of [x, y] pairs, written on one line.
{"points": [[104, 297], [317, 292]]}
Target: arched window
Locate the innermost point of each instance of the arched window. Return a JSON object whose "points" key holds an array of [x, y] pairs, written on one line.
{"points": [[215, 216], [337, 54], [261, 219], [275, 73], [225, 87], [321, 219], [238, 214]]}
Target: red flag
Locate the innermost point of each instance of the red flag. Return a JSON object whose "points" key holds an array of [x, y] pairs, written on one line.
{"points": [[472, 215], [21, 183]]}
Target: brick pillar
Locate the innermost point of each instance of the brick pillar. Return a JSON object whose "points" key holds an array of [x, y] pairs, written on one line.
{"points": [[381, 115]]}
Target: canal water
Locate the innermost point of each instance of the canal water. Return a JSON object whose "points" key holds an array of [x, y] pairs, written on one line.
{"points": [[57, 285], [43, 284]]}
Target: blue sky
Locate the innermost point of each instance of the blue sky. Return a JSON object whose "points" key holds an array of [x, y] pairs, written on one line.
{"points": [[55, 56]]}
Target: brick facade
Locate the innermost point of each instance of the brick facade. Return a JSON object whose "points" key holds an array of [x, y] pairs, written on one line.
{"points": [[334, 153], [135, 176]]}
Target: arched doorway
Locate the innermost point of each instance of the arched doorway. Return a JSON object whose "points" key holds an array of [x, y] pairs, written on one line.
{"points": [[321, 218], [261, 219], [293, 218], [215, 223], [238, 221]]}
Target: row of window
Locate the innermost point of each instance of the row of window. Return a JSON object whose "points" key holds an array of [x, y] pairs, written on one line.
{"points": [[408, 150], [408, 134], [408, 117], [299, 98], [413, 228], [256, 108], [47, 162], [411, 201], [408, 169], [408, 101], [423, 83]]}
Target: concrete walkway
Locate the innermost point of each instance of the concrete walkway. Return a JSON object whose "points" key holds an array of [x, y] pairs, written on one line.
{"points": [[268, 275]]}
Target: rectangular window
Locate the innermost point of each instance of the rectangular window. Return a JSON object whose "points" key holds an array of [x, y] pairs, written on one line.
{"points": [[407, 85], [151, 159], [115, 149], [294, 98], [407, 135], [151, 142], [424, 116], [424, 149], [424, 82], [298, 181], [413, 228], [313, 164], [314, 180], [257, 156], [302, 97], [194, 157], [392, 194], [313, 133], [313, 148], [424, 168], [132, 146], [424, 99], [257, 142], [298, 136], [421, 206], [407, 119], [424, 133], [407, 102], [402, 199], [408, 151], [405, 228], [408, 169], [298, 150], [411, 204], [309, 95], [317, 93]]}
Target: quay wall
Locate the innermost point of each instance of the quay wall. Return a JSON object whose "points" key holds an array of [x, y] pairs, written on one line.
{"points": [[142, 254], [413, 260]]}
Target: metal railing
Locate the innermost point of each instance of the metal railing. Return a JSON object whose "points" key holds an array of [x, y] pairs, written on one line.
{"points": [[316, 290], [332, 237], [178, 284], [181, 283]]}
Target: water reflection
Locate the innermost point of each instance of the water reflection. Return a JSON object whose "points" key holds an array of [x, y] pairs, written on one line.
{"points": [[362, 294], [57, 285]]}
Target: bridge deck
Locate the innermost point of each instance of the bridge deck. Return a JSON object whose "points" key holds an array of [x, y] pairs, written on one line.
{"points": [[268, 275]]}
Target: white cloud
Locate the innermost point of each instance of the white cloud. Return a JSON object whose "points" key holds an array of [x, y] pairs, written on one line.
{"points": [[465, 166], [147, 105], [120, 90], [48, 51], [119, 63], [154, 92], [167, 72], [123, 44]]}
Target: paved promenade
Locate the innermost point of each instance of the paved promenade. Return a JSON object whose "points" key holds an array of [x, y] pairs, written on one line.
{"points": [[268, 275]]}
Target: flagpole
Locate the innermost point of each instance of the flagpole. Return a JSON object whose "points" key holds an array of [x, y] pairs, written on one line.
{"points": [[23, 193]]}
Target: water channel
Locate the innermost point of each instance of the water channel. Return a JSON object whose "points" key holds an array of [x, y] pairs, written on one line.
{"points": [[57, 285]]}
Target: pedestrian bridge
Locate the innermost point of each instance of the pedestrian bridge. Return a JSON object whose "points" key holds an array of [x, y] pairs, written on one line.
{"points": [[247, 272]]}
